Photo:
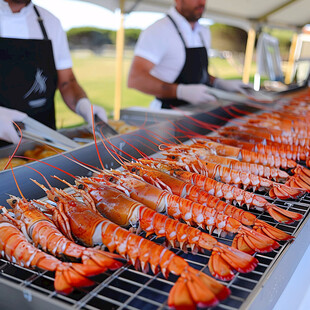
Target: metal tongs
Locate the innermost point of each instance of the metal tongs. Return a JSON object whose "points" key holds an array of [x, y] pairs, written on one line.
{"points": [[104, 129], [38, 132], [250, 94]]}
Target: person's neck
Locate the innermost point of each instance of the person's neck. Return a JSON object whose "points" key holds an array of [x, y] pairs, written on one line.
{"points": [[190, 22], [15, 7]]}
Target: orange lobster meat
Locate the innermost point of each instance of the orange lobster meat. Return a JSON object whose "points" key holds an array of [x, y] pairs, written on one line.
{"points": [[262, 146], [43, 232], [275, 135], [125, 211], [200, 213], [90, 228], [300, 179], [15, 248], [289, 125], [215, 148], [231, 176], [161, 200], [222, 190], [256, 169], [296, 181]]}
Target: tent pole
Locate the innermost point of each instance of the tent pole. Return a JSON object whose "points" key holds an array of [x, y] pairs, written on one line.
{"points": [[120, 38], [291, 60], [248, 55]]}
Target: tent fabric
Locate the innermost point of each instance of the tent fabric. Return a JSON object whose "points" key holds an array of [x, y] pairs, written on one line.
{"points": [[241, 13]]}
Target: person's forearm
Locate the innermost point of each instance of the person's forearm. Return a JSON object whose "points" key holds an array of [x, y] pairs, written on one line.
{"points": [[148, 84], [71, 92], [140, 78]]}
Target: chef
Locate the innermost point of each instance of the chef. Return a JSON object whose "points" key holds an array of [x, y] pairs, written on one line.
{"points": [[171, 59], [34, 62]]}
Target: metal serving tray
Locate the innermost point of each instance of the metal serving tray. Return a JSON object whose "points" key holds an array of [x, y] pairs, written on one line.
{"points": [[127, 288], [139, 116]]}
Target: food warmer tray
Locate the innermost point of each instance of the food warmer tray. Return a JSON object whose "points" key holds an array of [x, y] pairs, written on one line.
{"points": [[127, 288], [140, 116]]}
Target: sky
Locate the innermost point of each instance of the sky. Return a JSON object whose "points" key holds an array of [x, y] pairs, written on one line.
{"points": [[79, 13]]}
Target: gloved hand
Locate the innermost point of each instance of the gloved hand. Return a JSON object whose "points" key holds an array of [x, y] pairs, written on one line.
{"points": [[235, 86], [83, 108], [7, 129], [194, 93]]}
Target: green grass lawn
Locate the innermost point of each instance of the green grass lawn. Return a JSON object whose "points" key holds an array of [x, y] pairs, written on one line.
{"points": [[96, 74]]}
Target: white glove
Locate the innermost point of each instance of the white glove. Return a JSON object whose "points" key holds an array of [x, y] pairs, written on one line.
{"points": [[194, 93], [7, 129], [235, 86], [83, 108]]}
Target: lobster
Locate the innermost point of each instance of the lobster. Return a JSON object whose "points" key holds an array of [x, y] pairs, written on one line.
{"points": [[298, 180], [287, 123], [84, 222], [41, 230], [231, 176], [200, 213], [301, 178], [114, 204], [259, 145], [256, 169], [210, 147], [160, 200], [275, 135], [15, 247], [222, 190]]}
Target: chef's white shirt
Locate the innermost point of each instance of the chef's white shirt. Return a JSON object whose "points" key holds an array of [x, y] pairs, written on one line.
{"points": [[161, 44], [24, 25]]}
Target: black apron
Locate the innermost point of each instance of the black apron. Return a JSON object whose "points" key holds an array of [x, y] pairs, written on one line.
{"points": [[194, 71], [28, 76]]}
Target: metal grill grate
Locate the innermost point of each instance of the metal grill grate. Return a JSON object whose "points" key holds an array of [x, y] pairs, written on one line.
{"points": [[129, 289]]}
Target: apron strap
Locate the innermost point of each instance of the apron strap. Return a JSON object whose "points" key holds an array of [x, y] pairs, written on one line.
{"points": [[40, 21], [180, 34], [177, 28]]}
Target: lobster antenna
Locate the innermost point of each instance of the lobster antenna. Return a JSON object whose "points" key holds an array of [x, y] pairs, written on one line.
{"points": [[144, 144], [19, 190], [17, 147], [154, 135], [228, 111], [41, 174], [140, 152], [69, 174], [118, 150], [116, 157], [42, 162], [95, 138], [189, 133], [241, 112], [62, 180], [203, 124]]}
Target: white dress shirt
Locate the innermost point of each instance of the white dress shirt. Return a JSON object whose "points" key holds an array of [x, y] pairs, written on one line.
{"points": [[161, 44], [24, 25]]}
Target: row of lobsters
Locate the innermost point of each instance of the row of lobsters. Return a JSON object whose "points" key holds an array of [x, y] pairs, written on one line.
{"points": [[97, 208], [187, 195]]}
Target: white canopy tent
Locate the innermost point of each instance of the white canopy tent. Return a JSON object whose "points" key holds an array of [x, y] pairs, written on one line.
{"points": [[280, 13], [249, 15]]}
